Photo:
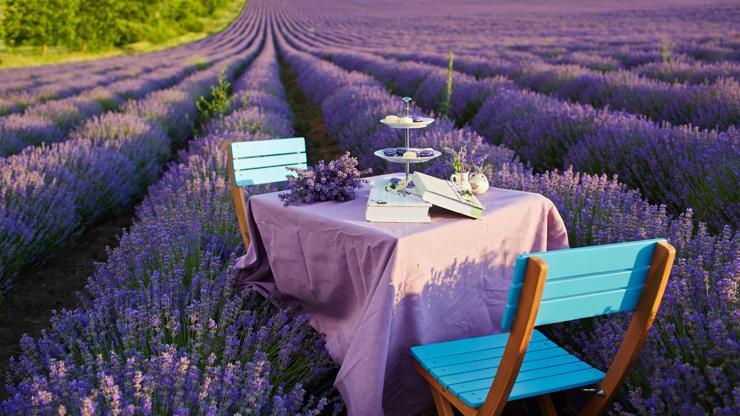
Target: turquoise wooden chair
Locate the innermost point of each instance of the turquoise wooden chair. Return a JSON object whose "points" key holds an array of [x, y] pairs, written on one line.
{"points": [[479, 375], [261, 162]]}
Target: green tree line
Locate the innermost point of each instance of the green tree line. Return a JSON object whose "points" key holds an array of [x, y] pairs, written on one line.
{"points": [[99, 24]]}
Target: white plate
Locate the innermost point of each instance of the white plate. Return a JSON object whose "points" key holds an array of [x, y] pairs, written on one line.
{"points": [[400, 159], [425, 121]]}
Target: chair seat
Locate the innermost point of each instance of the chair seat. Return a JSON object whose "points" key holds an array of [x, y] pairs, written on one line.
{"points": [[466, 367]]}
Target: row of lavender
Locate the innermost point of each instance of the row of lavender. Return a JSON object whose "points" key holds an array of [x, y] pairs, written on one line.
{"points": [[671, 67], [679, 166], [694, 61], [51, 193], [707, 55], [710, 106], [714, 105], [180, 339], [19, 99], [689, 365], [18, 95], [666, 65], [50, 121], [693, 44]]}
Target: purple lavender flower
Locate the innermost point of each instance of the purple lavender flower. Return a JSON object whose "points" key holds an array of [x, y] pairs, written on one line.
{"points": [[333, 181], [107, 160], [182, 338], [20, 131], [697, 321], [551, 134]]}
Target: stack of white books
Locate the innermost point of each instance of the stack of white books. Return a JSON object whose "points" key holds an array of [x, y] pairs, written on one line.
{"points": [[404, 206], [412, 204]]}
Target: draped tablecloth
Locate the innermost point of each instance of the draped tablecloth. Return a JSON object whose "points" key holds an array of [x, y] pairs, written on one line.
{"points": [[376, 289]]}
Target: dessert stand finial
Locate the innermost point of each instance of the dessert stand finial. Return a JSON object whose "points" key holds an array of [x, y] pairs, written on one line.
{"points": [[407, 100]]}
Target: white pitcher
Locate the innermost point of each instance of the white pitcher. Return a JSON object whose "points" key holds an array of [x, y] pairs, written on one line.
{"points": [[461, 180]]}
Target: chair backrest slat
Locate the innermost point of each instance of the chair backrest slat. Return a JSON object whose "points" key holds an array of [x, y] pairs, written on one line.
{"points": [[240, 150], [264, 175], [267, 161], [585, 282]]}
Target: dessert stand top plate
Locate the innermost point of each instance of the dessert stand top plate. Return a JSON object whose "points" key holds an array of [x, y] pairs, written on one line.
{"points": [[425, 121]]}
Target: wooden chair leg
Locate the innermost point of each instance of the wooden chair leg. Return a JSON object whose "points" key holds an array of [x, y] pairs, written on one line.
{"points": [[444, 408], [642, 320], [547, 407], [240, 202], [427, 412]]}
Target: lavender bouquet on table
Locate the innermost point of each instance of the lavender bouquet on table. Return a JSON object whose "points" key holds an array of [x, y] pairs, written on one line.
{"points": [[333, 181]]}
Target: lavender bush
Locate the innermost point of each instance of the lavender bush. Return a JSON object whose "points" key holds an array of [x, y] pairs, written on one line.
{"points": [[105, 163], [173, 110], [689, 363], [17, 132], [251, 120], [656, 161], [141, 142], [180, 339], [675, 373], [7, 107], [550, 134], [691, 72], [52, 120], [708, 106]]}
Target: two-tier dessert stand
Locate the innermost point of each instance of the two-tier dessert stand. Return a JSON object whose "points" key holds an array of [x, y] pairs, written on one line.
{"points": [[422, 123]]}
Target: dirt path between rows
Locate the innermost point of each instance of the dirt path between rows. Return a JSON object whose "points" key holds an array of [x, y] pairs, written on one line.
{"points": [[308, 121], [38, 291]]}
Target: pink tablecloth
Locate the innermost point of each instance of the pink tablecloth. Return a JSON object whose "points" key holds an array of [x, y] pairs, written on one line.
{"points": [[376, 289]]}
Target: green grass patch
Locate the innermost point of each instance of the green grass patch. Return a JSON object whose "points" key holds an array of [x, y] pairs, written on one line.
{"points": [[28, 56]]}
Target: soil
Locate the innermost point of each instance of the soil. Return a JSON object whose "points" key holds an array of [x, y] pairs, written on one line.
{"points": [[308, 121], [53, 285]]}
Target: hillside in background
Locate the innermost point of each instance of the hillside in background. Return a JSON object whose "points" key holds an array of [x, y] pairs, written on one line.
{"points": [[40, 32]]}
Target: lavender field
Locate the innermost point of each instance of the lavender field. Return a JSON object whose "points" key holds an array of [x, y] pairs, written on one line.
{"points": [[626, 116]]}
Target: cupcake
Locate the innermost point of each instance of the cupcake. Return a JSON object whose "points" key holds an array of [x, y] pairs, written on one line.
{"points": [[400, 151], [405, 120], [410, 155], [391, 119], [389, 151], [417, 119], [426, 152]]}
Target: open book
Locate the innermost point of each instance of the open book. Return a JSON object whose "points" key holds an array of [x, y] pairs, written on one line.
{"points": [[447, 195], [385, 206]]}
